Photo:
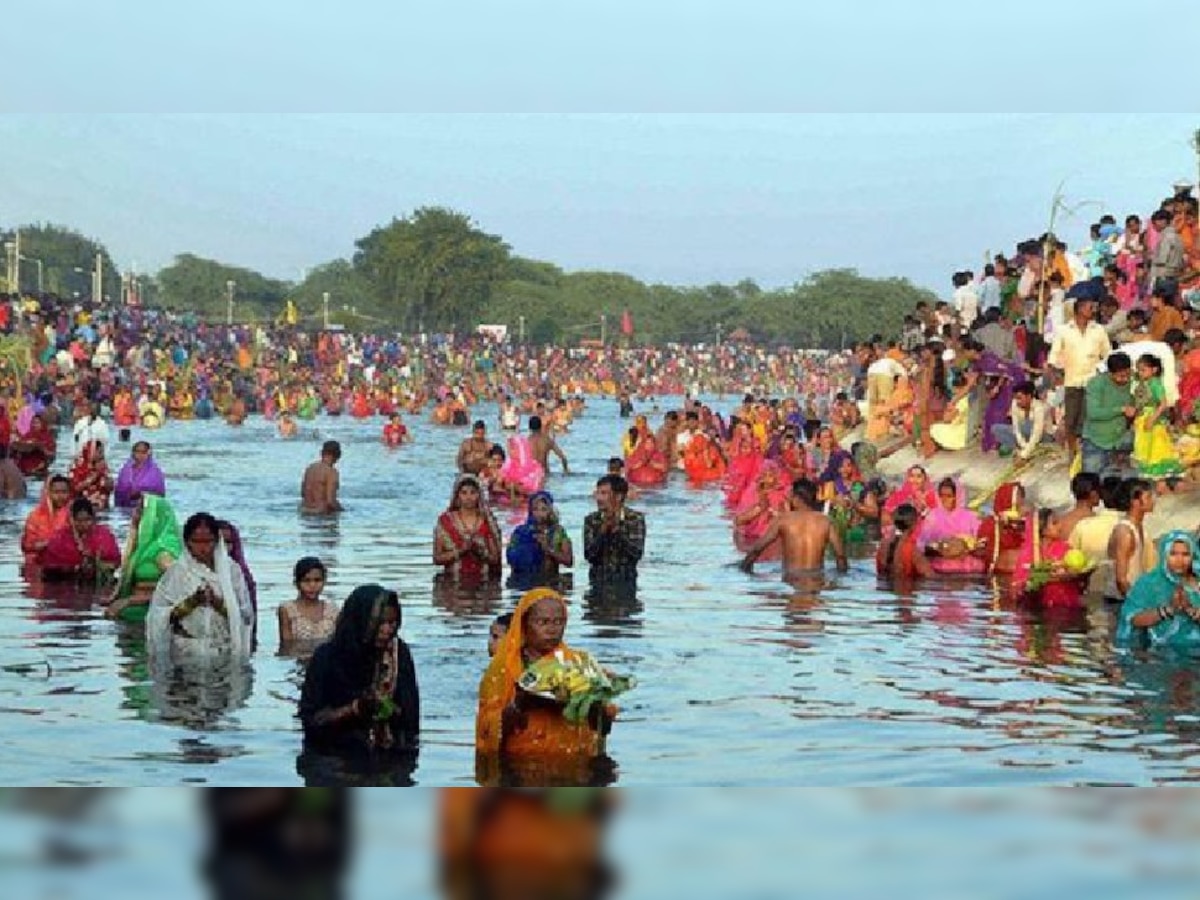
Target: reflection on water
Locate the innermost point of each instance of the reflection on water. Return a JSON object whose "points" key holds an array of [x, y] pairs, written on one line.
{"points": [[742, 679]]}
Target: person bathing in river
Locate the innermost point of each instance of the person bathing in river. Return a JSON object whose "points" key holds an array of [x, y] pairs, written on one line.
{"points": [[541, 445], [806, 533], [81, 550], [140, 475], [153, 547], [51, 514], [948, 532], [308, 620], [319, 487], [898, 556], [473, 452]]}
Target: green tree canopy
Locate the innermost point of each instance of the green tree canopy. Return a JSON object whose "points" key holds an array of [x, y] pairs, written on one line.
{"points": [[193, 283], [68, 260], [434, 269]]}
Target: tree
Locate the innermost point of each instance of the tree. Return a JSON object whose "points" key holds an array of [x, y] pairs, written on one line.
{"points": [[348, 289], [194, 283], [435, 269], [68, 260]]}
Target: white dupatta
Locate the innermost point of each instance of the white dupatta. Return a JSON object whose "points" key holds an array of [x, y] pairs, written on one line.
{"points": [[208, 635]]}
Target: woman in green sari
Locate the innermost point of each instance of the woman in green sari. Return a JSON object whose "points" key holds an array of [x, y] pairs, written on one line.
{"points": [[154, 546]]}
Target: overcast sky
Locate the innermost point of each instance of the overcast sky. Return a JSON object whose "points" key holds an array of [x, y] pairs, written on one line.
{"points": [[685, 198]]}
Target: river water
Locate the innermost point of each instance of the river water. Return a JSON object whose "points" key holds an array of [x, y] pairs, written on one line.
{"points": [[741, 682]]}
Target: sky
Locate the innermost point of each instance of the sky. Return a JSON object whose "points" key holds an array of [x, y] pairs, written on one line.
{"points": [[164, 143]]}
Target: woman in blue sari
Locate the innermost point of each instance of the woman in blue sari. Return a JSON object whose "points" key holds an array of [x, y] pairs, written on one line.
{"points": [[1163, 606], [541, 545]]}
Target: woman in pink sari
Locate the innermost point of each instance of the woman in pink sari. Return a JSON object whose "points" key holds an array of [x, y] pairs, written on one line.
{"points": [[759, 505], [745, 460], [916, 490], [521, 471], [948, 532]]}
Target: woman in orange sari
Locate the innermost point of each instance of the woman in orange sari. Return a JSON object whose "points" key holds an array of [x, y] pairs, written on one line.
{"points": [[51, 514], [529, 735]]}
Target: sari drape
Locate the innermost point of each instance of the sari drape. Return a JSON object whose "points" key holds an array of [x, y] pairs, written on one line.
{"points": [[157, 534], [70, 554], [135, 480], [451, 533], [41, 524], [349, 666], [90, 476], [1002, 535], [946, 524], [525, 554], [547, 733], [203, 634], [1157, 588]]}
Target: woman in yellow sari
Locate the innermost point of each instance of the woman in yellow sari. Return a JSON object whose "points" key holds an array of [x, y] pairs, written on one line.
{"points": [[528, 735]]}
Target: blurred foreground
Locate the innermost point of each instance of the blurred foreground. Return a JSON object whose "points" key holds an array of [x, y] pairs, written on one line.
{"points": [[470, 843]]}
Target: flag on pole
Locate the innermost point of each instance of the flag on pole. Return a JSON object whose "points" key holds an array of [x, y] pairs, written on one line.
{"points": [[626, 323]]}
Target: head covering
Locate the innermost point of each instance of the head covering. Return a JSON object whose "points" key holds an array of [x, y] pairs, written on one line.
{"points": [[352, 646], [211, 634], [524, 552], [157, 533], [134, 479], [1005, 498], [466, 478], [833, 470], [499, 684], [942, 524], [238, 554], [350, 664], [1157, 588]]}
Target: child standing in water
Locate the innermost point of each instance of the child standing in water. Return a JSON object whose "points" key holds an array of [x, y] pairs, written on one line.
{"points": [[308, 620]]}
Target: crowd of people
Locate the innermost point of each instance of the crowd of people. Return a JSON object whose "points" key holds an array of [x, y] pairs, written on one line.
{"points": [[1091, 355]]}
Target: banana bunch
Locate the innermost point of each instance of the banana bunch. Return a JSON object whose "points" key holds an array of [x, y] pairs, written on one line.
{"points": [[578, 683]]}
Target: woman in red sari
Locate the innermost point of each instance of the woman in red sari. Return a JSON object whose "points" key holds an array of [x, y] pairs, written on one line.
{"points": [[1002, 534], [898, 556], [34, 451], [51, 514], [81, 550], [90, 476], [644, 462], [467, 539]]}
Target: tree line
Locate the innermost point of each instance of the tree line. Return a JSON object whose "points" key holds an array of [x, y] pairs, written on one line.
{"points": [[437, 270]]}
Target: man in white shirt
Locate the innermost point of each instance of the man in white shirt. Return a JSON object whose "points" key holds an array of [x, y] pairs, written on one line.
{"points": [[90, 427], [966, 301], [1028, 428], [1079, 348]]}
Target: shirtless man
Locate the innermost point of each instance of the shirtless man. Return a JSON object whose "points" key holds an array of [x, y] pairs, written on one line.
{"points": [[541, 445], [806, 535], [1085, 488], [12, 480], [319, 488], [473, 452]]}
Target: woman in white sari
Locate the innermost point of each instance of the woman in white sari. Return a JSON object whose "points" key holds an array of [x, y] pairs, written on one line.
{"points": [[201, 610]]}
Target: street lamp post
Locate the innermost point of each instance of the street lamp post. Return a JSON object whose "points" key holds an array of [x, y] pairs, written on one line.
{"points": [[98, 279], [12, 267], [229, 286], [718, 334], [603, 329], [521, 322], [325, 308]]}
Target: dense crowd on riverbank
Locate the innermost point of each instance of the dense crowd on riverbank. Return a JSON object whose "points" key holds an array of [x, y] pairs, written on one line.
{"points": [[1092, 353]]}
